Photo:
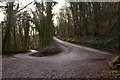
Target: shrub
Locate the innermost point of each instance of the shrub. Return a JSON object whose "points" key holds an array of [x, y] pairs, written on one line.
{"points": [[115, 66]]}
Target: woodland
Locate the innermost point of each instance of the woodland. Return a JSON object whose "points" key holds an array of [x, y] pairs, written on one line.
{"points": [[92, 24]]}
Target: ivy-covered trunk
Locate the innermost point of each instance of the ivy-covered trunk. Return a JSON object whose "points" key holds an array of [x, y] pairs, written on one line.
{"points": [[44, 24], [7, 37]]}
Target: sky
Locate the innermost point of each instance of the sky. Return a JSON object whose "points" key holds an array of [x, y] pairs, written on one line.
{"points": [[25, 2]]}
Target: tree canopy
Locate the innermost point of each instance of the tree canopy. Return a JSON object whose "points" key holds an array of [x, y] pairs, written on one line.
{"points": [[93, 24]]}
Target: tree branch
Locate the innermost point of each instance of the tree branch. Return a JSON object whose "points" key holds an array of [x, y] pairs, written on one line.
{"points": [[24, 7]]}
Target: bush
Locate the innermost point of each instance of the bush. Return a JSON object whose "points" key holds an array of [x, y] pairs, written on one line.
{"points": [[115, 63], [115, 66]]}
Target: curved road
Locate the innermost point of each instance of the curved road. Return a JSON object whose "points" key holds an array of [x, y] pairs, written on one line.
{"points": [[74, 62]]}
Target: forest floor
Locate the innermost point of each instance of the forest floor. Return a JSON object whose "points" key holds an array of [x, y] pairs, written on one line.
{"points": [[74, 62]]}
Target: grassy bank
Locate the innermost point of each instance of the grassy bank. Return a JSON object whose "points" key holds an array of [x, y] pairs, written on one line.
{"points": [[50, 50], [105, 44], [10, 53]]}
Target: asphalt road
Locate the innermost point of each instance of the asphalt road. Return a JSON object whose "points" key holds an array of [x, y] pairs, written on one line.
{"points": [[74, 62]]}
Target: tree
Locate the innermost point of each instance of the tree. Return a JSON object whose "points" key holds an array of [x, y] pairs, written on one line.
{"points": [[16, 24], [6, 39], [92, 23], [44, 23]]}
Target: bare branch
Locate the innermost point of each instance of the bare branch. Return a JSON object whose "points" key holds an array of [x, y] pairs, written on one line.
{"points": [[24, 7]]}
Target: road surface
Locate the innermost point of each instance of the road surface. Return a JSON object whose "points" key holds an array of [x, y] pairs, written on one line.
{"points": [[74, 62]]}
